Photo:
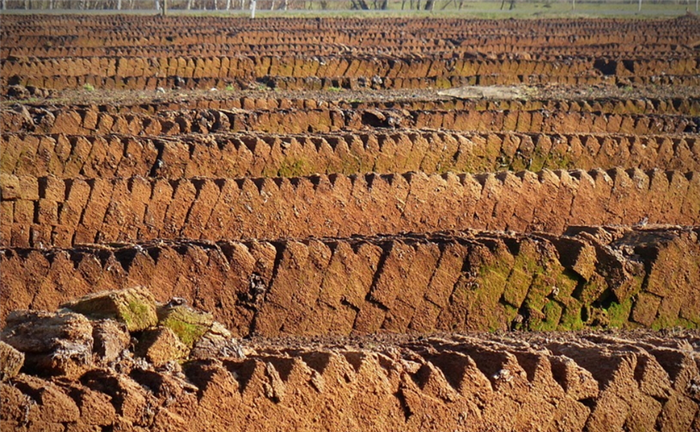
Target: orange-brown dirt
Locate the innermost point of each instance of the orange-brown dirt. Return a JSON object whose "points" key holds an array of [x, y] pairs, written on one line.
{"points": [[516, 382], [566, 119], [332, 194], [47, 211], [411, 54], [243, 155], [416, 284]]}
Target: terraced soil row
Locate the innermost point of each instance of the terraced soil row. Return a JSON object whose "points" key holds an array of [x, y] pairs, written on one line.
{"points": [[50, 211], [379, 151], [683, 106], [322, 120], [458, 281], [475, 383], [311, 83], [350, 213], [314, 37], [298, 73], [266, 101], [411, 56], [333, 83]]}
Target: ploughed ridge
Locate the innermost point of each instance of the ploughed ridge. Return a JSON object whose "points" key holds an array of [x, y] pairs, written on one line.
{"points": [[349, 224]]}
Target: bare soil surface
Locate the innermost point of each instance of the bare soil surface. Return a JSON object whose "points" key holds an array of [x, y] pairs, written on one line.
{"points": [[588, 381], [556, 92], [427, 224], [479, 281]]}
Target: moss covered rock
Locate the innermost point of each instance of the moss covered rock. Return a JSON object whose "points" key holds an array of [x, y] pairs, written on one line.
{"points": [[135, 307], [188, 323]]}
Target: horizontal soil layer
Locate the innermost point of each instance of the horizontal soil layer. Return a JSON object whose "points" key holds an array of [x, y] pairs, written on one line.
{"points": [[209, 36], [219, 79], [381, 151], [126, 35], [399, 54], [48, 211], [593, 382], [516, 99], [322, 120], [590, 277]]}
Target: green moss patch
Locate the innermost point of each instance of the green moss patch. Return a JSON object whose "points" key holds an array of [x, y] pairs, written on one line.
{"points": [[188, 324]]}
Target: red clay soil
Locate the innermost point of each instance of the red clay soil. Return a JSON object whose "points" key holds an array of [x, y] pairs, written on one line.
{"points": [[47, 211], [127, 35], [590, 277], [596, 99], [595, 382]]}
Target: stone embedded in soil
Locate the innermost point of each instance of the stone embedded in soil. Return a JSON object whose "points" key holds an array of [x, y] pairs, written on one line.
{"points": [[187, 323], [135, 307], [53, 343], [161, 345], [11, 361]]}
